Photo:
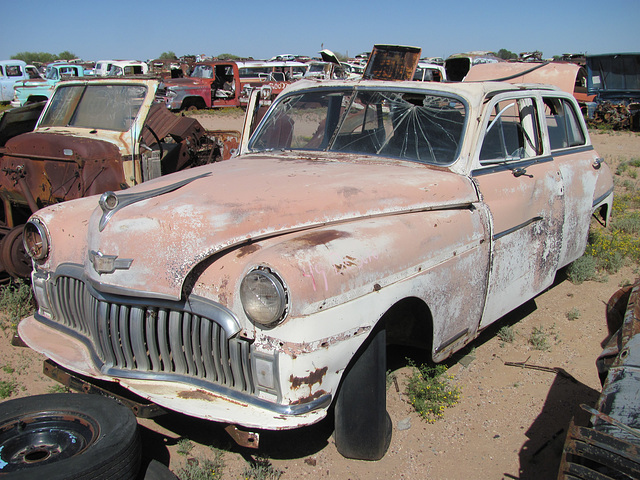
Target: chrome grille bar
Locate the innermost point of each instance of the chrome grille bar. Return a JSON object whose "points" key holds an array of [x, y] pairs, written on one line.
{"points": [[148, 338]]}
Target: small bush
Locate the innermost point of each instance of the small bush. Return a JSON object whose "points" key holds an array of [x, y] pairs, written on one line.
{"points": [[539, 339], [507, 334], [261, 469], [573, 314], [7, 387], [203, 468], [185, 446], [629, 223], [16, 302], [430, 391], [583, 269]]}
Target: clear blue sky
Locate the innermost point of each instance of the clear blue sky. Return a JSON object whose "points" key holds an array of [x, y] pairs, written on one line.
{"points": [[143, 29]]}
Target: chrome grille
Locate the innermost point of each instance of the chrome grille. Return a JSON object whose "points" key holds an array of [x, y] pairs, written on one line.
{"points": [[152, 339]]}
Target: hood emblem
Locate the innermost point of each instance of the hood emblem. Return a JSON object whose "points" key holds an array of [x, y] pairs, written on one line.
{"points": [[111, 202], [108, 263]]}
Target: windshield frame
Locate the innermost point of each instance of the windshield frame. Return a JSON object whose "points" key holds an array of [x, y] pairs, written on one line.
{"points": [[67, 116], [352, 91]]}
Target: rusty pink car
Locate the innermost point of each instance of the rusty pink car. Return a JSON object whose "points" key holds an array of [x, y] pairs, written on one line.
{"points": [[261, 292]]}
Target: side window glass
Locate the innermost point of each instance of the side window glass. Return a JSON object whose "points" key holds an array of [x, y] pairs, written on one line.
{"points": [[13, 71], [513, 131], [562, 124]]}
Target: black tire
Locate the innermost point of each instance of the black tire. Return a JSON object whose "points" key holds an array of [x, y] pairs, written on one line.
{"points": [[362, 424], [13, 256], [68, 436]]}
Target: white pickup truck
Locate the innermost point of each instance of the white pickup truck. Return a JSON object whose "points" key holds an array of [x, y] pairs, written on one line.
{"points": [[12, 71]]}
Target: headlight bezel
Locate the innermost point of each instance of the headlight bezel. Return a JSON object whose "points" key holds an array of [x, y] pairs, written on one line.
{"points": [[260, 312], [36, 240]]}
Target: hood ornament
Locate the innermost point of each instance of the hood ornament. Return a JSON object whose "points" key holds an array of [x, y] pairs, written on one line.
{"points": [[108, 263], [110, 202]]}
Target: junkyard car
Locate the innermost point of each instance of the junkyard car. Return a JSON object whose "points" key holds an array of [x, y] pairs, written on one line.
{"points": [[610, 446], [12, 71], [94, 135], [40, 89], [261, 291], [614, 81]]}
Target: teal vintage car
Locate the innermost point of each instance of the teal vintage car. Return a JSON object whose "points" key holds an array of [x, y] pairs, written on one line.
{"points": [[37, 90]]}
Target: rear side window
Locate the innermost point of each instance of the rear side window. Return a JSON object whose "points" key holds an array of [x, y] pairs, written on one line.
{"points": [[563, 124]]}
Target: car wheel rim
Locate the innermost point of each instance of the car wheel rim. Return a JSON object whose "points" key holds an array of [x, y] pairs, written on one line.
{"points": [[44, 438]]}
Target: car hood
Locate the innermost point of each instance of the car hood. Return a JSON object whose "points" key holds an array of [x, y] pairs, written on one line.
{"points": [[221, 206], [183, 82]]}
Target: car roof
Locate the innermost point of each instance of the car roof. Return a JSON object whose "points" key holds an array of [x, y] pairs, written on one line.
{"points": [[471, 91]]}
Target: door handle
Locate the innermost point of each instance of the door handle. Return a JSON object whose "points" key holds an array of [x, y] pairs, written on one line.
{"points": [[597, 163], [520, 171]]}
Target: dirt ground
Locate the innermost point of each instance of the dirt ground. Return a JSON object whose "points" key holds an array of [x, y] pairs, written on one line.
{"points": [[509, 423]]}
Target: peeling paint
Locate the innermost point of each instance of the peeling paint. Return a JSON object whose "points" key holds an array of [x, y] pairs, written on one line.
{"points": [[310, 380]]}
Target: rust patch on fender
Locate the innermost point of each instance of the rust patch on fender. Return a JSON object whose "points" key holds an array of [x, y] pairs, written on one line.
{"points": [[247, 250], [204, 395], [320, 238], [311, 379], [308, 399]]}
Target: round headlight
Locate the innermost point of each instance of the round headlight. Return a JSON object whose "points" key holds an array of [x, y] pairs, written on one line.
{"points": [[263, 297], [35, 239]]}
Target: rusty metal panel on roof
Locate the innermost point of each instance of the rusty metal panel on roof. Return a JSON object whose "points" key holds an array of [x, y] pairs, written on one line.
{"points": [[392, 62]]}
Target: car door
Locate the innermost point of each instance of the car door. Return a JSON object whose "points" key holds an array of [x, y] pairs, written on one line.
{"points": [[522, 189], [581, 169]]}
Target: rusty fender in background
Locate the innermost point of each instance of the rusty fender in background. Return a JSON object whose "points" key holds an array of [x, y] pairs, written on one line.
{"points": [[610, 448]]}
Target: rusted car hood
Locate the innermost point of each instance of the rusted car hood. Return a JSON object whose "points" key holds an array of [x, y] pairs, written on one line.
{"points": [[255, 197], [58, 146], [183, 82]]}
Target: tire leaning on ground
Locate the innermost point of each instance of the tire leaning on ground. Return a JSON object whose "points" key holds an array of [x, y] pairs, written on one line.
{"points": [[362, 424], [68, 436]]}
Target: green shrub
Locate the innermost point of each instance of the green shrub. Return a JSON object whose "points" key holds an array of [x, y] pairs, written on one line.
{"points": [[430, 391], [539, 339], [203, 468], [185, 446], [583, 269], [7, 387], [261, 469], [573, 314], [16, 302], [507, 334]]}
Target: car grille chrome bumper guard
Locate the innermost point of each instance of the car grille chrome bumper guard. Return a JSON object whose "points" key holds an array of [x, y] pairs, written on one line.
{"points": [[154, 339]]}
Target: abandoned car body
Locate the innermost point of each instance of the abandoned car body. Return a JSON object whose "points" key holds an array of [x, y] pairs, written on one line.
{"points": [[94, 135], [610, 446], [261, 291], [614, 81], [40, 89]]}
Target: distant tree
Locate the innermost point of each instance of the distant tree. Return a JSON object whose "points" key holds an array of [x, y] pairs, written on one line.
{"points": [[34, 57], [43, 57], [557, 57], [229, 56], [66, 55], [168, 56], [506, 54]]}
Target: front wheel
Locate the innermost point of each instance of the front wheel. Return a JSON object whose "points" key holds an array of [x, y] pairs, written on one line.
{"points": [[362, 424], [62, 436]]}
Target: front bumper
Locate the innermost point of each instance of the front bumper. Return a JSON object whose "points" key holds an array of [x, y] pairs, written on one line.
{"points": [[185, 356]]}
